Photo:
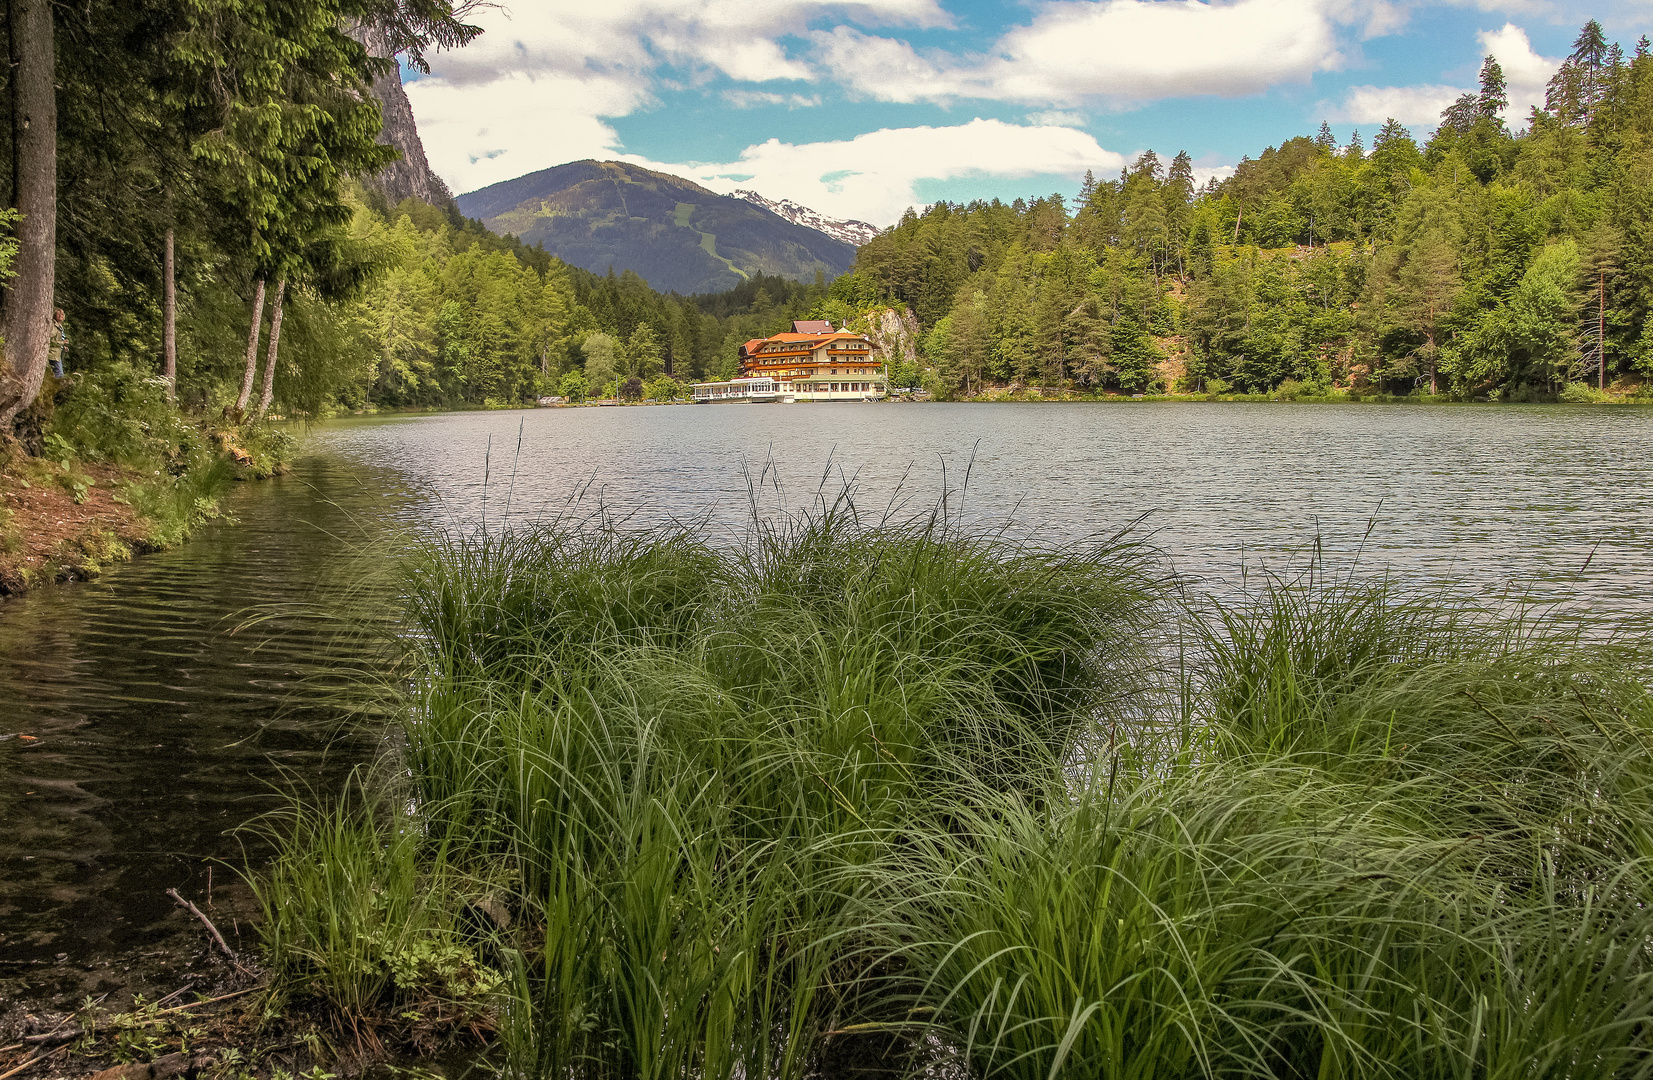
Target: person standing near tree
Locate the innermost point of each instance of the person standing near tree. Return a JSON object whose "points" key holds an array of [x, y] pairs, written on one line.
{"points": [[57, 342]]}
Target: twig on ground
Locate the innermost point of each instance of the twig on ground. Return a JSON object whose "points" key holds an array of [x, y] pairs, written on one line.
{"points": [[216, 936], [209, 1001], [38, 1057]]}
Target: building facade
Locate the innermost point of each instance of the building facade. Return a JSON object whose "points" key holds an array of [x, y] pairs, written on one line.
{"points": [[812, 363]]}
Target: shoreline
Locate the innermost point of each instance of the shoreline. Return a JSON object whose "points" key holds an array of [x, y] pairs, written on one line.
{"points": [[1028, 398], [68, 520]]}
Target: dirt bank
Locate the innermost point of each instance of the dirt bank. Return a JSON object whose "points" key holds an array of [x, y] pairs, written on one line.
{"points": [[60, 524]]}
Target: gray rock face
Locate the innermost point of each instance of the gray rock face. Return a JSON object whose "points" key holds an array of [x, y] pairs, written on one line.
{"points": [[894, 335], [410, 177]]}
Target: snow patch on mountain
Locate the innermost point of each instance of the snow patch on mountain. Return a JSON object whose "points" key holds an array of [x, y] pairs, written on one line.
{"points": [[850, 232]]}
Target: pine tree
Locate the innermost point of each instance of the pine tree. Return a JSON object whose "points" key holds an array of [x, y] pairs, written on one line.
{"points": [[1590, 47], [1324, 139], [1494, 97], [1461, 115], [1178, 196], [1429, 284]]}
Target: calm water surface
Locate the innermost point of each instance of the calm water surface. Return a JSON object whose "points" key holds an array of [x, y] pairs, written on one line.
{"points": [[163, 720]]}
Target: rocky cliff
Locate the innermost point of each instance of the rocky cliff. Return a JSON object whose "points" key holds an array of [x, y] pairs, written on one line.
{"points": [[894, 335], [410, 177]]}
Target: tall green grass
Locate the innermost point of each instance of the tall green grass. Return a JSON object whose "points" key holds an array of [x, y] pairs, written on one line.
{"points": [[676, 808]]}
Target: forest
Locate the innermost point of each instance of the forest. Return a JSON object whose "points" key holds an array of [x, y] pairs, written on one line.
{"points": [[1482, 262], [207, 209], [218, 225]]}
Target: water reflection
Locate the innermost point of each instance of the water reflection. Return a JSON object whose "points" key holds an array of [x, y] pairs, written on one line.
{"points": [[145, 726]]}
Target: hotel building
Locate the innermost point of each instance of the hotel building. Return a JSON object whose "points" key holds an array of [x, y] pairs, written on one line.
{"points": [[812, 363]]}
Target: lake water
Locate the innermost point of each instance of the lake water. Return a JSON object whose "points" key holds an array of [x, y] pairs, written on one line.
{"points": [[164, 719]]}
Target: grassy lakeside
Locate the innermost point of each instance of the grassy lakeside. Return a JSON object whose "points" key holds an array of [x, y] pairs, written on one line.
{"points": [[118, 470], [892, 794]]}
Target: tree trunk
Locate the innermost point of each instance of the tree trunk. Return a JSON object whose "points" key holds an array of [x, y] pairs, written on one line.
{"points": [[252, 351], [275, 343], [26, 323], [169, 320], [1601, 331]]}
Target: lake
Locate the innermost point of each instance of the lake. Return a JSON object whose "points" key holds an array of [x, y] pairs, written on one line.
{"points": [[174, 698]]}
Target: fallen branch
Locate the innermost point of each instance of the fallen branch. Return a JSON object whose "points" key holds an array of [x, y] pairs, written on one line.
{"points": [[216, 936], [52, 1038], [209, 1001], [39, 1056]]}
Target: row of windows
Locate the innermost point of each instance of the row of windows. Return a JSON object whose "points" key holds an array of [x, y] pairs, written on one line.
{"points": [[795, 348], [718, 390]]}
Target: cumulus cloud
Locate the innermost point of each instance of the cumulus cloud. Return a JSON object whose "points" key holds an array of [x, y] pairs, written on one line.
{"points": [[536, 88], [1421, 105], [1124, 50], [874, 177], [1527, 73], [1414, 106]]}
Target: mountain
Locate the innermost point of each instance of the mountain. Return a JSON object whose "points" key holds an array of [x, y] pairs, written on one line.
{"points": [[677, 235], [845, 229]]}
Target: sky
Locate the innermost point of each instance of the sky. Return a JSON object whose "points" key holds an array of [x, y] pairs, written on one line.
{"points": [[861, 109]]}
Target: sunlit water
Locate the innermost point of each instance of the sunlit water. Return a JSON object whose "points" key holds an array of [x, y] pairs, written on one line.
{"points": [[163, 720]]}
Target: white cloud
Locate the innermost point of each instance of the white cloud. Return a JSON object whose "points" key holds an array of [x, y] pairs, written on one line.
{"points": [[753, 99], [1526, 73], [1415, 106], [873, 177], [1056, 118], [476, 135], [1125, 50], [534, 90]]}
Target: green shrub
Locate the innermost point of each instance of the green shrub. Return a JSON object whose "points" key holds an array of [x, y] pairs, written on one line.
{"points": [[1579, 393], [122, 416]]}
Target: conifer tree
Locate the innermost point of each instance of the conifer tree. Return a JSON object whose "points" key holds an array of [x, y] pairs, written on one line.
{"points": [[1494, 96]]}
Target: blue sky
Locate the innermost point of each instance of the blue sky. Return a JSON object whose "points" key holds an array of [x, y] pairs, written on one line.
{"points": [[862, 109]]}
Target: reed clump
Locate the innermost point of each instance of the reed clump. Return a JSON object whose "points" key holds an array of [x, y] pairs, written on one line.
{"points": [[664, 807]]}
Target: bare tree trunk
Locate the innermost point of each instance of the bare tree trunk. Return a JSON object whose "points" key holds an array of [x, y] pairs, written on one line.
{"points": [[252, 351], [1601, 331], [275, 343], [169, 320], [26, 323]]}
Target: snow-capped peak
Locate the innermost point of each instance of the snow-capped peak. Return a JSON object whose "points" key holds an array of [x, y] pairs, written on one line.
{"points": [[855, 233]]}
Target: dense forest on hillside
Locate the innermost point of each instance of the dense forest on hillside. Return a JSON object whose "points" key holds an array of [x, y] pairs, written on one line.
{"points": [[460, 315], [1481, 262]]}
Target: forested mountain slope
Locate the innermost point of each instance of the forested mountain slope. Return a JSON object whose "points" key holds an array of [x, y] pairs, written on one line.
{"points": [[1481, 262], [677, 235]]}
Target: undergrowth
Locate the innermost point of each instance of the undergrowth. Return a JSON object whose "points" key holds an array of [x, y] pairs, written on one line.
{"points": [[665, 807]]}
